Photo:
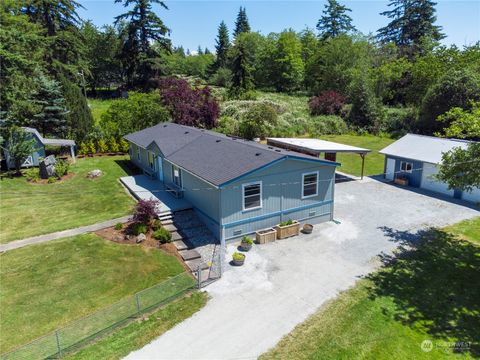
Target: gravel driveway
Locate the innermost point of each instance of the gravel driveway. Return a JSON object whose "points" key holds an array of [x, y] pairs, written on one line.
{"points": [[282, 283]]}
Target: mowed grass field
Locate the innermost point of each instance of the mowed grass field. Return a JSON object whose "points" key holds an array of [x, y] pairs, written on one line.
{"points": [[45, 286], [352, 163], [28, 209], [429, 292], [98, 107]]}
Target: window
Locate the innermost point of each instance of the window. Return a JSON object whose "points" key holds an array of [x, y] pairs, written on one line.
{"points": [[176, 176], [309, 185], [138, 153], [252, 195], [151, 160], [406, 166]]}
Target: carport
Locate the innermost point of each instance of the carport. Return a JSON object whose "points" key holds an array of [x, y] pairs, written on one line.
{"points": [[316, 146]]}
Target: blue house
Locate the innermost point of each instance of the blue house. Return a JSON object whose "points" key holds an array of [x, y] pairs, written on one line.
{"points": [[235, 186], [417, 159]]}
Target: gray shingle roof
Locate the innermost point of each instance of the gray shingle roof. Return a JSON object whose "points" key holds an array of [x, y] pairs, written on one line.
{"points": [[423, 148], [45, 141], [214, 157]]}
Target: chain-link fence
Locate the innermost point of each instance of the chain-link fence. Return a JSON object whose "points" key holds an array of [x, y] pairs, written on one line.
{"points": [[75, 334]]}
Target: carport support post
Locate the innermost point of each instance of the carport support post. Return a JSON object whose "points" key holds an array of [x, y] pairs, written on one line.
{"points": [[72, 152], [362, 155]]}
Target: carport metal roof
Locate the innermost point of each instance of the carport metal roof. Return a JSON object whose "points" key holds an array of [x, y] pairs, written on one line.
{"points": [[316, 146]]}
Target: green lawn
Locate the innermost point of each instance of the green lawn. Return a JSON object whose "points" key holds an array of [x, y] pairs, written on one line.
{"points": [[32, 209], [352, 163], [98, 107], [45, 286], [139, 333], [428, 293]]}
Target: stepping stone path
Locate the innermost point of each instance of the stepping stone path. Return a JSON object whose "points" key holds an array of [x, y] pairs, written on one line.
{"points": [[194, 241]]}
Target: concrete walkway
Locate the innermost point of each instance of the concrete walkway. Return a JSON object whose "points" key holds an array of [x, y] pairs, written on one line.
{"points": [[62, 234], [282, 283]]}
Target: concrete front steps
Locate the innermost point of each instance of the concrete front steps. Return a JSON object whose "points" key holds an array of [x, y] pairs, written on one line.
{"points": [[188, 233]]}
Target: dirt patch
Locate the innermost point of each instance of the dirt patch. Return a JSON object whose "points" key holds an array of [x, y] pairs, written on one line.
{"points": [[120, 236]]}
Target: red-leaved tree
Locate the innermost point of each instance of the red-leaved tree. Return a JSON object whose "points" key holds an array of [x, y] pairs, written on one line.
{"points": [[145, 211], [189, 106], [327, 103]]}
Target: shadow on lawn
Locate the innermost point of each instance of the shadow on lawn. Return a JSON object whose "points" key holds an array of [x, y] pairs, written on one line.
{"points": [[434, 280], [128, 167]]}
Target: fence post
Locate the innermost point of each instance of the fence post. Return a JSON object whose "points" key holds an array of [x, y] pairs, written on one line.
{"points": [[137, 301], [199, 276], [59, 348]]}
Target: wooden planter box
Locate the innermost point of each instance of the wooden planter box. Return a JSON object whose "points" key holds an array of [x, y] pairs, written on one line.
{"points": [[401, 181], [266, 235], [288, 230]]}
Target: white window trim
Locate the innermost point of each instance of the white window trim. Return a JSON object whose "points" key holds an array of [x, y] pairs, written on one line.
{"points": [[303, 184], [243, 196], [406, 162], [179, 176]]}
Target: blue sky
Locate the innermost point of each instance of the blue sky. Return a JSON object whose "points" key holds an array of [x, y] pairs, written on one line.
{"points": [[195, 23]]}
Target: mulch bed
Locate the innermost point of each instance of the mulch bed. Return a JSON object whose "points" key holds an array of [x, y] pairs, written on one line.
{"points": [[45, 181]]}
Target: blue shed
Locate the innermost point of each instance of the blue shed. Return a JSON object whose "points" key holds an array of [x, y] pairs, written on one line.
{"points": [[417, 158], [235, 186]]}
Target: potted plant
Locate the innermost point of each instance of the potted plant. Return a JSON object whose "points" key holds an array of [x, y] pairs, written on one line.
{"points": [[238, 258], [266, 235], [287, 228], [401, 180], [246, 244]]}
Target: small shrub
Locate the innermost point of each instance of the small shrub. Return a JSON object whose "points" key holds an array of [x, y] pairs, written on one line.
{"points": [[286, 223], [247, 240], [222, 77], [52, 179], [139, 228], [102, 146], [162, 235], [258, 121], [157, 224], [124, 145], [118, 226], [32, 174], [83, 149], [237, 256], [327, 103], [61, 168], [145, 211], [91, 147], [328, 125], [113, 145]]}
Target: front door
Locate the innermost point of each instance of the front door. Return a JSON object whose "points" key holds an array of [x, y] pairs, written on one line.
{"points": [[160, 168], [390, 170]]}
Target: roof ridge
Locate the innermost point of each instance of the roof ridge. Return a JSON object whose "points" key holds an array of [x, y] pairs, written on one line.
{"points": [[439, 138]]}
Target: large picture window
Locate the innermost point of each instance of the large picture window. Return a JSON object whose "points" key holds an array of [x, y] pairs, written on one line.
{"points": [[309, 185], [252, 195]]}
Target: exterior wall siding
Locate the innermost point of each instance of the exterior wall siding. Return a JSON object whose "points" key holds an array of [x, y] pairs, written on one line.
{"points": [[415, 177], [36, 155], [281, 197]]}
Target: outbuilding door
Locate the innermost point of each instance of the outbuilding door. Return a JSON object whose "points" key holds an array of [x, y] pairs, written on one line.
{"points": [[390, 169], [430, 183], [160, 168]]}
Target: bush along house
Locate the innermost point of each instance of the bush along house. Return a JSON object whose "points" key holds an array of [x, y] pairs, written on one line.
{"points": [[235, 186]]}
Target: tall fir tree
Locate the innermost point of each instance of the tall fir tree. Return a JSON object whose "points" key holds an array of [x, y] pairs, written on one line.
{"points": [[241, 24], [242, 79], [137, 54], [411, 22], [222, 45], [50, 119], [335, 20]]}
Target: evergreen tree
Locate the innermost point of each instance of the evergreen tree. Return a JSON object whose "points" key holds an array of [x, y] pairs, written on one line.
{"points": [[137, 54], [242, 79], [60, 20], [335, 20], [79, 117], [222, 45], [207, 51], [51, 116], [241, 25], [411, 22], [199, 50]]}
